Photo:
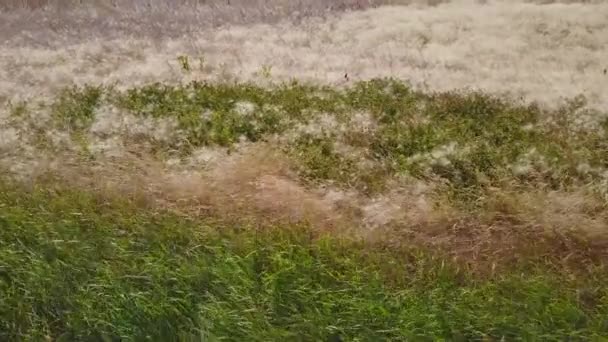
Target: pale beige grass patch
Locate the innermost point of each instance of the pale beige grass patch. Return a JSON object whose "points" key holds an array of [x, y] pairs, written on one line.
{"points": [[539, 52]]}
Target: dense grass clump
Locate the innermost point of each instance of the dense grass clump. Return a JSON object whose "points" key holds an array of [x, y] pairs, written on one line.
{"points": [[76, 267], [75, 107]]}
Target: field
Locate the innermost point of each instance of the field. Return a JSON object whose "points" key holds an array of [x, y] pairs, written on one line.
{"points": [[318, 170]]}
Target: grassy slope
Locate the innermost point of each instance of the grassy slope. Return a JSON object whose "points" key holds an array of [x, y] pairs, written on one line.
{"points": [[74, 265]]}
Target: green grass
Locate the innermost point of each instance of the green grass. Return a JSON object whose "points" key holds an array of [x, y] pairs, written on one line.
{"points": [[75, 107], [74, 266], [491, 137]]}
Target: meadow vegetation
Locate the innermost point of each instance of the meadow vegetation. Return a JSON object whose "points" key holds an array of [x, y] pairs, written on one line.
{"points": [[76, 267], [480, 260], [190, 200]]}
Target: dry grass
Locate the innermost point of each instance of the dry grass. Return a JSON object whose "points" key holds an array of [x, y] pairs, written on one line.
{"points": [[257, 186], [542, 53]]}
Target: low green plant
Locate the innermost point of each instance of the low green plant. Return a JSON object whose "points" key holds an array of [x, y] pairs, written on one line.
{"points": [[266, 71], [469, 139], [75, 107], [184, 62], [18, 109]]}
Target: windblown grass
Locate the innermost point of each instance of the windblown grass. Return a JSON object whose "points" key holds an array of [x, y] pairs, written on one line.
{"points": [[75, 266], [428, 226], [231, 171]]}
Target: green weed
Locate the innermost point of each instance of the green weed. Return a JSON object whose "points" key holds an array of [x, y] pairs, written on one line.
{"points": [[75, 107]]}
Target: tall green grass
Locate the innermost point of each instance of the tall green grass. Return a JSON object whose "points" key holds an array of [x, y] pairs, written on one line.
{"points": [[74, 266]]}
